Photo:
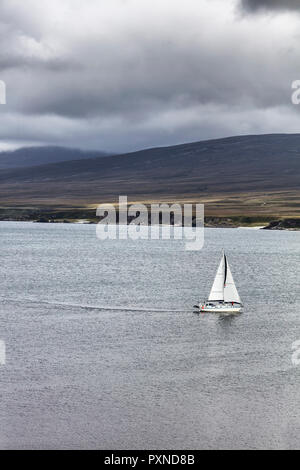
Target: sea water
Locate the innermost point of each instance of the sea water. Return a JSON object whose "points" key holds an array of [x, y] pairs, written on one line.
{"points": [[103, 349]]}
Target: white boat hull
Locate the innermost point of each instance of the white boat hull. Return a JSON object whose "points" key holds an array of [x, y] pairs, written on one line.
{"points": [[219, 309]]}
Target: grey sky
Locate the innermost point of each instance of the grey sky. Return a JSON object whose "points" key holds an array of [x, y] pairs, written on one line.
{"points": [[128, 74], [271, 4]]}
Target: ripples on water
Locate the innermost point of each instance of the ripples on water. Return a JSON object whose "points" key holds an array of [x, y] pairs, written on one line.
{"points": [[104, 350]]}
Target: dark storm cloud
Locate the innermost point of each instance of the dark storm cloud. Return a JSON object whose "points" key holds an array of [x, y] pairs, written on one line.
{"points": [[254, 5], [123, 75]]}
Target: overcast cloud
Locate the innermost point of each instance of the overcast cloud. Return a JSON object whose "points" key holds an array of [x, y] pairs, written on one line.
{"points": [[121, 75], [271, 4]]}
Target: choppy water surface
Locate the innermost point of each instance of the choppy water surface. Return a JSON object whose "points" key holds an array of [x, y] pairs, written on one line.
{"points": [[104, 350]]}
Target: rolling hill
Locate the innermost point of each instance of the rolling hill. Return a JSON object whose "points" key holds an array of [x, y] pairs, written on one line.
{"points": [[31, 156], [256, 174]]}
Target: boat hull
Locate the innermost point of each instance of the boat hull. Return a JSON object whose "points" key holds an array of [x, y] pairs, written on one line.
{"points": [[219, 309]]}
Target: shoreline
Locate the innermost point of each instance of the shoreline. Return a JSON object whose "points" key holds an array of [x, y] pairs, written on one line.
{"points": [[82, 215], [280, 225]]}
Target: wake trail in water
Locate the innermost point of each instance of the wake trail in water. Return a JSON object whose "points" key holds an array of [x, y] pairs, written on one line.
{"points": [[93, 307]]}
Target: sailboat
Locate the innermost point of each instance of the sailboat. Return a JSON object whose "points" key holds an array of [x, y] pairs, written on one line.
{"points": [[223, 297]]}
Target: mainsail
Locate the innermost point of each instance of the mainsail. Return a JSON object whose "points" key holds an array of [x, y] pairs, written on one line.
{"points": [[217, 290], [224, 289]]}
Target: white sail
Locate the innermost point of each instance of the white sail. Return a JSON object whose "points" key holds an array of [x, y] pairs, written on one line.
{"points": [[223, 288], [217, 290], [230, 291]]}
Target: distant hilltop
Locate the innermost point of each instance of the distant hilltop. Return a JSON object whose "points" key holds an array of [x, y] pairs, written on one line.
{"points": [[31, 156]]}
